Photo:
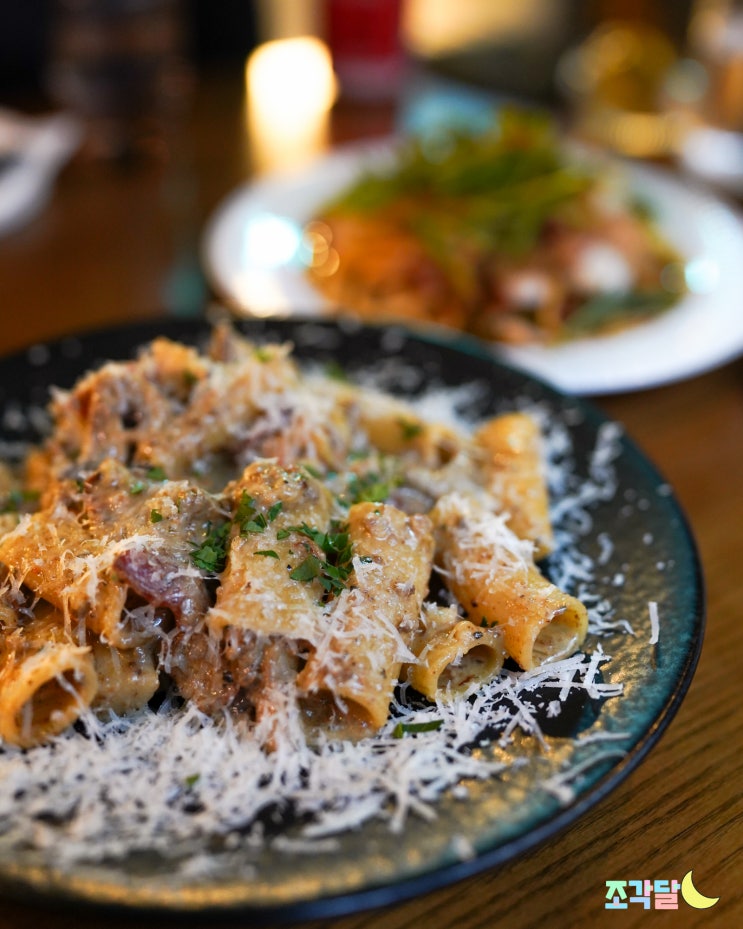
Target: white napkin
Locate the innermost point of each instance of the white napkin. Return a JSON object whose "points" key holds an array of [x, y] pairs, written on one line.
{"points": [[32, 150]]}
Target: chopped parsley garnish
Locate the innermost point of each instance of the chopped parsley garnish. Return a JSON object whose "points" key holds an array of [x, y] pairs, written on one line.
{"points": [[401, 729], [332, 572], [312, 470], [308, 569], [156, 516], [249, 519], [368, 488], [245, 508], [335, 372], [211, 555], [153, 473], [410, 428], [16, 499]]}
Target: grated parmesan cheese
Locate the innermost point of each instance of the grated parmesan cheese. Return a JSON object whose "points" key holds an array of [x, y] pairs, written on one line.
{"points": [[654, 622]]}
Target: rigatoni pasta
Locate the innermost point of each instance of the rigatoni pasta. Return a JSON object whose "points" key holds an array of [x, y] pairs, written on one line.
{"points": [[514, 474], [491, 572], [356, 665], [46, 678], [454, 655], [269, 543]]}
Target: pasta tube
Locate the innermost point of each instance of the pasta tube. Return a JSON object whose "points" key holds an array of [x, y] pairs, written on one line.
{"points": [[514, 474], [59, 561], [46, 681], [395, 428], [351, 676], [257, 592], [127, 678], [492, 574], [454, 655]]}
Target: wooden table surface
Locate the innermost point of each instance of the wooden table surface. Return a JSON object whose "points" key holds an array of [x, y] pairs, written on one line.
{"points": [[122, 243]]}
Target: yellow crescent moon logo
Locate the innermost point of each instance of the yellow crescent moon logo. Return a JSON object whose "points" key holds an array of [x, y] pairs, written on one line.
{"points": [[692, 895]]}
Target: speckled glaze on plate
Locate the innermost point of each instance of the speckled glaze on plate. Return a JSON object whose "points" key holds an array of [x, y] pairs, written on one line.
{"points": [[501, 818]]}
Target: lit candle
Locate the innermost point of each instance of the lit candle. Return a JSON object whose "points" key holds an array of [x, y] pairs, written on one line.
{"points": [[290, 89]]}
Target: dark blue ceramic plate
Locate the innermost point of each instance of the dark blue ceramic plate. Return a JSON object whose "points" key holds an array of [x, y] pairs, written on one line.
{"points": [[651, 558]]}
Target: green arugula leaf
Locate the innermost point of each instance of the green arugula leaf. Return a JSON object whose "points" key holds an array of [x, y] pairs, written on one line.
{"points": [[601, 310]]}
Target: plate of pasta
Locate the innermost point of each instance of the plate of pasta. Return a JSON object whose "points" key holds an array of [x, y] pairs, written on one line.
{"points": [[299, 617], [597, 275]]}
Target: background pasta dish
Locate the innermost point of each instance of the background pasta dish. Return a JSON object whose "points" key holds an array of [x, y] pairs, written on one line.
{"points": [[503, 234]]}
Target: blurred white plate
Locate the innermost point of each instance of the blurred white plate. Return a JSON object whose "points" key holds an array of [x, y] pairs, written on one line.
{"points": [[253, 255]]}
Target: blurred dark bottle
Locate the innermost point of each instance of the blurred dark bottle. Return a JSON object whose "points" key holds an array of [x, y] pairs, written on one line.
{"points": [[121, 65]]}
